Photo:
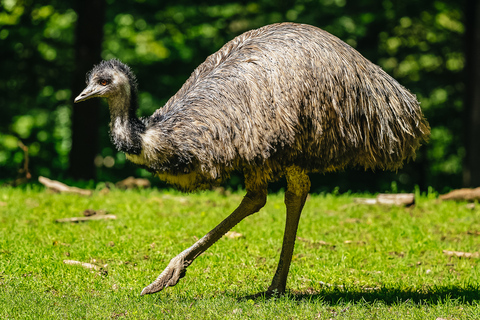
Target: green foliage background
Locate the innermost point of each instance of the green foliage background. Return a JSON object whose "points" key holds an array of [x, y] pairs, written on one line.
{"points": [[420, 43]]}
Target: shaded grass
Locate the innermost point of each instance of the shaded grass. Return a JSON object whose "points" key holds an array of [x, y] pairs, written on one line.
{"points": [[351, 261]]}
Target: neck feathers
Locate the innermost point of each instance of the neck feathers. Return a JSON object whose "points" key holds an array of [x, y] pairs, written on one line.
{"points": [[125, 127], [126, 134]]}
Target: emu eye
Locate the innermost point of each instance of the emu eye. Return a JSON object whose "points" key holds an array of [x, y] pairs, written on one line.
{"points": [[103, 82]]}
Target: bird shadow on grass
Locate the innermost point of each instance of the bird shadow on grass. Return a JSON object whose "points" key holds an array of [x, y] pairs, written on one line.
{"points": [[387, 295]]}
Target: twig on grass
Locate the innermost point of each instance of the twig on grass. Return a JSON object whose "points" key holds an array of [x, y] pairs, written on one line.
{"points": [[89, 218], [83, 264], [460, 254], [396, 199], [464, 194], [88, 215], [102, 271], [24, 172], [57, 186]]}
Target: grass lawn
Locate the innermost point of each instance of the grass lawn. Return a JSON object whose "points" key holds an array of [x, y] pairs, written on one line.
{"points": [[351, 261]]}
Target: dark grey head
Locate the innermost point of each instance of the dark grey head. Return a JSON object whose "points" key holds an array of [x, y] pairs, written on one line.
{"points": [[109, 79]]}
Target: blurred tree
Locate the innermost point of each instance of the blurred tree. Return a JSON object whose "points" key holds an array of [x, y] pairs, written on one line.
{"points": [[88, 47], [36, 56], [471, 177]]}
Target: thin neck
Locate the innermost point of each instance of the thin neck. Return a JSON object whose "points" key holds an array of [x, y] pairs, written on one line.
{"points": [[125, 127]]}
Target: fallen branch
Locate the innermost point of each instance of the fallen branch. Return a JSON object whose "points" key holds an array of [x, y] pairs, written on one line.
{"points": [[396, 199], [460, 254], [464, 194], [89, 218], [61, 187], [83, 264], [24, 173]]}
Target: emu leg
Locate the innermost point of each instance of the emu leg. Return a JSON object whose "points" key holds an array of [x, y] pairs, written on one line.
{"points": [[298, 185], [253, 201]]}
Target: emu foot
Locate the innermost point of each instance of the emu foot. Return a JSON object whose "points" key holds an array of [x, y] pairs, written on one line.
{"points": [[175, 270], [277, 287]]}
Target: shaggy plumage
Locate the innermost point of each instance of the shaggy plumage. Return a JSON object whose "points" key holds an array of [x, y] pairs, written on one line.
{"points": [[285, 99]]}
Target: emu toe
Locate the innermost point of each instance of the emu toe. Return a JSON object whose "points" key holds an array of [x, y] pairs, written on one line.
{"points": [[175, 270]]}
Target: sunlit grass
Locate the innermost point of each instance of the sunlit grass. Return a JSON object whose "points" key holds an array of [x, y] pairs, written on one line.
{"points": [[351, 261]]}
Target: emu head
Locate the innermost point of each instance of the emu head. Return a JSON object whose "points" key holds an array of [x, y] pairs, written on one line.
{"points": [[109, 79]]}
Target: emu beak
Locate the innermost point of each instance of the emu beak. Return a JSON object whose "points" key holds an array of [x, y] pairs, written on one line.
{"points": [[89, 92]]}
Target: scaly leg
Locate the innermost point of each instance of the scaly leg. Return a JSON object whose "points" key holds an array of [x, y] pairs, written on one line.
{"points": [[298, 185], [253, 201]]}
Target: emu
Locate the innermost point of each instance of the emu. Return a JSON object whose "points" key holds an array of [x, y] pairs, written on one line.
{"points": [[282, 100]]}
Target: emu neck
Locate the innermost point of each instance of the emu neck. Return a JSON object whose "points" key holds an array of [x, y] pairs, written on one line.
{"points": [[125, 127]]}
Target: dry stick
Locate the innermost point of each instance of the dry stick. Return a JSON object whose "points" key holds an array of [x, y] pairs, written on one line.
{"points": [[460, 254], [83, 219], [25, 164], [23, 173], [83, 264], [397, 199], [61, 187], [464, 194], [87, 265]]}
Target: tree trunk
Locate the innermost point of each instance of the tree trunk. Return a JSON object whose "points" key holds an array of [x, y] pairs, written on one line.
{"points": [[471, 172], [88, 46]]}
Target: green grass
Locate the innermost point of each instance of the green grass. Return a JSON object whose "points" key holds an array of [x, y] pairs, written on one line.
{"points": [[351, 261]]}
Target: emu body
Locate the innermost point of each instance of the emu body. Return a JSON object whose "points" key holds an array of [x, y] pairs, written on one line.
{"points": [[285, 99]]}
